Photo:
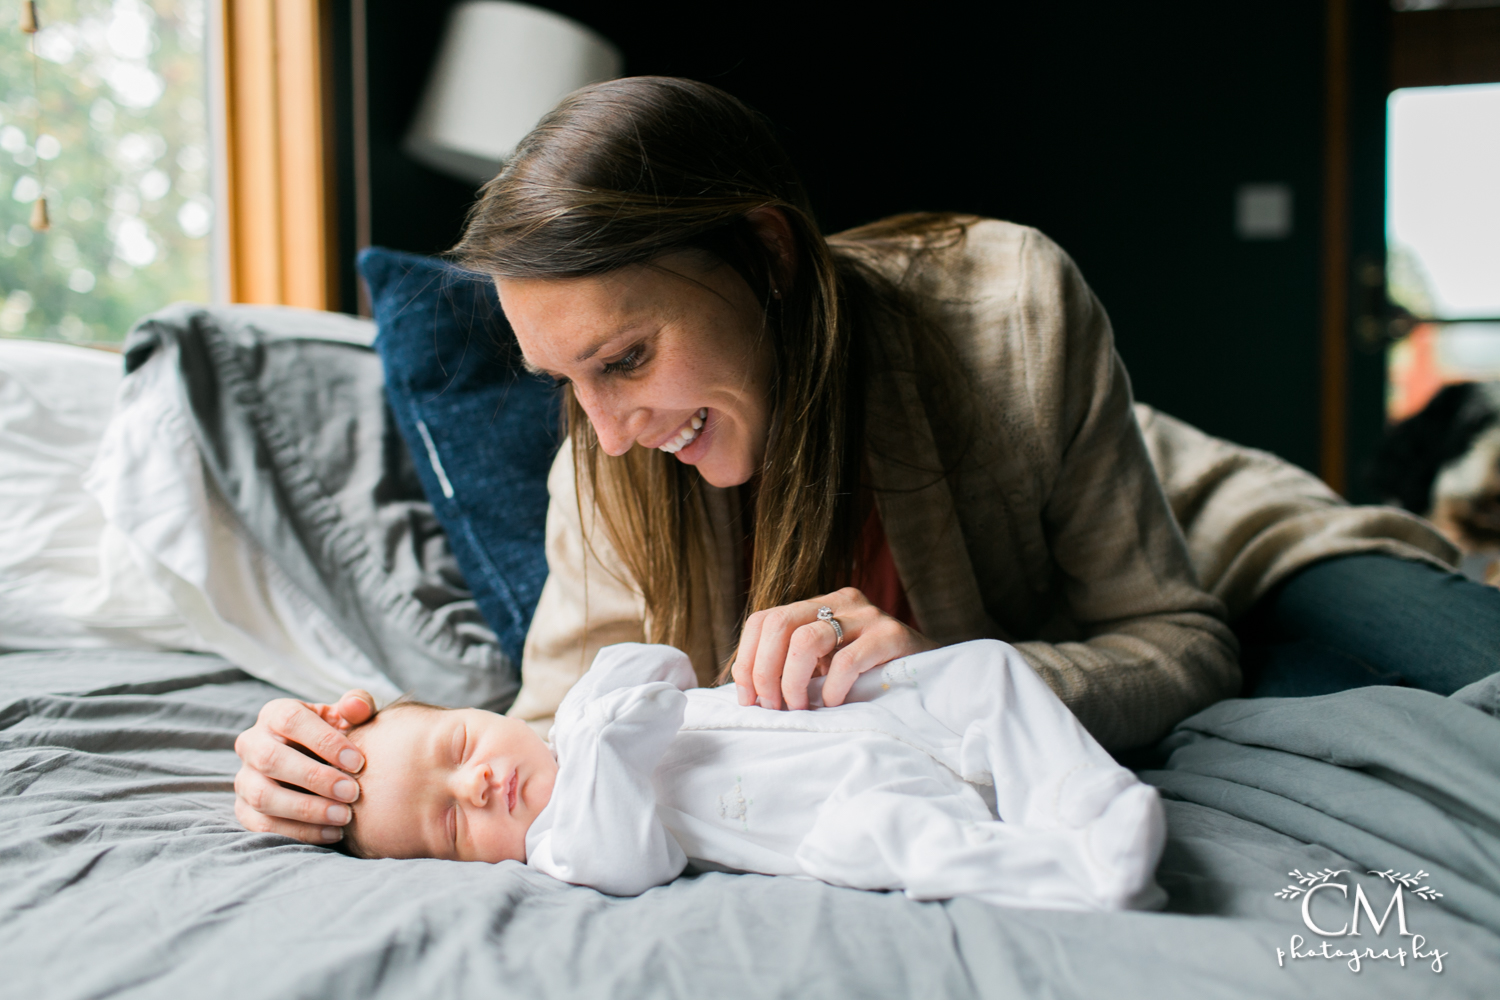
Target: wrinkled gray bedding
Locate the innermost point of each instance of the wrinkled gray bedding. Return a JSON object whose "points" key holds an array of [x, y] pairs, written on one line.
{"points": [[123, 872], [293, 428]]}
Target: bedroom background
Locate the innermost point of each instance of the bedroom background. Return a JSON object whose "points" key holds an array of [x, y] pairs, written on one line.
{"points": [[1132, 135], [260, 494]]}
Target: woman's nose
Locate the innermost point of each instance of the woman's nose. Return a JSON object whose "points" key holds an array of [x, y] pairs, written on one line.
{"points": [[617, 424]]}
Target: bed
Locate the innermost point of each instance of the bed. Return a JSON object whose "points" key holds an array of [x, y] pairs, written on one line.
{"points": [[123, 871]]}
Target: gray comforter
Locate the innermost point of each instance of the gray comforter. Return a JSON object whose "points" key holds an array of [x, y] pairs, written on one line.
{"points": [[123, 872]]}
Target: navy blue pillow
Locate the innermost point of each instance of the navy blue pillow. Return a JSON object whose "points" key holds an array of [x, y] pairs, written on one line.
{"points": [[481, 430]]}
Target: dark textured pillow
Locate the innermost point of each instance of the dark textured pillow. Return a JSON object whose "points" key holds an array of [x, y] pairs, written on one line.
{"points": [[482, 431]]}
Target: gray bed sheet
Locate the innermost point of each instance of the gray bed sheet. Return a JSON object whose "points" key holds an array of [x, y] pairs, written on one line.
{"points": [[123, 873]]}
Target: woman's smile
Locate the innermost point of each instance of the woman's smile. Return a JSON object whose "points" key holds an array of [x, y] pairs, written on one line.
{"points": [[685, 435]]}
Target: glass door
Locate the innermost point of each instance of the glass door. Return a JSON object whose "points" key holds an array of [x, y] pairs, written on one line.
{"points": [[1442, 241]]}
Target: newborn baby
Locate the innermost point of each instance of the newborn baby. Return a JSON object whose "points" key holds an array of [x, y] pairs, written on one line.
{"points": [[956, 772]]}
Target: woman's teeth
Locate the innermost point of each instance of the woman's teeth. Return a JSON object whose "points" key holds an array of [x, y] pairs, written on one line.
{"points": [[687, 434]]}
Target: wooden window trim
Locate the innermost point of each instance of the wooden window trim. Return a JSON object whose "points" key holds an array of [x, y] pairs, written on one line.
{"points": [[278, 153]]}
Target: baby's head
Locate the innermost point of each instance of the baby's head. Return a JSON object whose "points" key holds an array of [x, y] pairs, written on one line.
{"points": [[462, 784]]}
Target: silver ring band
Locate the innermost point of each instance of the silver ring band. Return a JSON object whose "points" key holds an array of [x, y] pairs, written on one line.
{"points": [[825, 614]]}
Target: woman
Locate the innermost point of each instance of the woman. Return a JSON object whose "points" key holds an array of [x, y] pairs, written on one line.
{"points": [[797, 456]]}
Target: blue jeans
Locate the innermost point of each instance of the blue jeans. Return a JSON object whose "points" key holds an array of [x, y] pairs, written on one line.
{"points": [[1354, 621]]}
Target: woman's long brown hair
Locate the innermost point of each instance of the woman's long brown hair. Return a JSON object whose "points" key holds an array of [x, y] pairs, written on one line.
{"points": [[630, 171]]}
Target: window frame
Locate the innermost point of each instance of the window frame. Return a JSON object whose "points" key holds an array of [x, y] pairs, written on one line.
{"points": [[271, 92]]}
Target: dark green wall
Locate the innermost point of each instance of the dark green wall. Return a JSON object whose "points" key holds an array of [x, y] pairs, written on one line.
{"points": [[1121, 130]]}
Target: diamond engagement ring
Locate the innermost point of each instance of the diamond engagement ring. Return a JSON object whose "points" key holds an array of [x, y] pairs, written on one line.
{"points": [[825, 614]]}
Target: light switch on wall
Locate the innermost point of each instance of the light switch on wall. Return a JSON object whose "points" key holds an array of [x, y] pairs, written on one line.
{"points": [[1263, 211]]}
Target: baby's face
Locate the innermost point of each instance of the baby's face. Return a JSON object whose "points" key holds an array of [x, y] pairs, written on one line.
{"points": [[461, 784]]}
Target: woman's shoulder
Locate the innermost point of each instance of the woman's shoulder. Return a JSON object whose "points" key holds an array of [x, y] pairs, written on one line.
{"points": [[950, 256], [998, 310]]}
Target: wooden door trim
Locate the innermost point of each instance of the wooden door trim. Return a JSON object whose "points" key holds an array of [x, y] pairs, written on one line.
{"points": [[1334, 436]]}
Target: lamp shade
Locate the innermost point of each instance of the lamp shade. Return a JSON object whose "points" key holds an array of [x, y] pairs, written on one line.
{"points": [[500, 68]]}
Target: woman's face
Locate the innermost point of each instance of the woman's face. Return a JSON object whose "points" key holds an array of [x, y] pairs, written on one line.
{"points": [[669, 356]]}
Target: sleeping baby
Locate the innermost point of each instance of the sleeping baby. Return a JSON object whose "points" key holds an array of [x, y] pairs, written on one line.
{"points": [[956, 772]]}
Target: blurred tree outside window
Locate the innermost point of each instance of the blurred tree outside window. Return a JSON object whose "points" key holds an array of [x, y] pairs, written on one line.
{"points": [[123, 157]]}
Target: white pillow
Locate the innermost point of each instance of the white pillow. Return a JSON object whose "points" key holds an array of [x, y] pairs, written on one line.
{"points": [[66, 581]]}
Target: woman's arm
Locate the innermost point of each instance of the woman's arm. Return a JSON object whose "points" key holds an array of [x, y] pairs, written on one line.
{"points": [[587, 603], [1152, 647]]}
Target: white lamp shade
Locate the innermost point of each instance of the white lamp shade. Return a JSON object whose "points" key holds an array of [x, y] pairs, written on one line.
{"points": [[501, 67]]}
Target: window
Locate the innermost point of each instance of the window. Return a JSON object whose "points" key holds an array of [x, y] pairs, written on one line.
{"points": [[123, 157], [1443, 239]]}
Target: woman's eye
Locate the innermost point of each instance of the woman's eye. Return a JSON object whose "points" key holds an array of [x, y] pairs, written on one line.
{"points": [[631, 361]]}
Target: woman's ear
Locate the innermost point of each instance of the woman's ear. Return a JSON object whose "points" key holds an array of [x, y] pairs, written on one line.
{"points": [[773, 229]]}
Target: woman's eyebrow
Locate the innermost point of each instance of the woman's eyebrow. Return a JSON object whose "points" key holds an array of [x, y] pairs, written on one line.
{"points": [[598, 346], [626, 330]]}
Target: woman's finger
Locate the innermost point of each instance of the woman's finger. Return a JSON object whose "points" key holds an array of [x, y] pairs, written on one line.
{"points": [[296, 723], [744, 659], [810, 646], [887, 640], [356, 706], [263, 752], [771, 648], [264, 796], [304, 832], [353, 708]]}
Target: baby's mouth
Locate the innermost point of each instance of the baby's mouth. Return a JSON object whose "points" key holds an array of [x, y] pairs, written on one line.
{"points": [[686, 434]]}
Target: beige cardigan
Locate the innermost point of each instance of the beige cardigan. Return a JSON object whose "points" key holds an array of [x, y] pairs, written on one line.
{"points": [[1059, 530]]}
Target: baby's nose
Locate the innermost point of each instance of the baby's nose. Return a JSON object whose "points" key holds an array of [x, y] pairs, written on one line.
{"points": [[477, 784]]}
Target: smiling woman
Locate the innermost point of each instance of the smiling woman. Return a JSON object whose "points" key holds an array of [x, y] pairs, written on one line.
{"points": [[653, 248], [725, 301]]}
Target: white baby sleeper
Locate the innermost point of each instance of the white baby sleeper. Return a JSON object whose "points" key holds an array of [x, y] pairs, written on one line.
{"points": [[955, 772]]}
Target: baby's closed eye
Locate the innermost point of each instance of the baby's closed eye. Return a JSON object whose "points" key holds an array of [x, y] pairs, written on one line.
{"points": [[459, 743]]}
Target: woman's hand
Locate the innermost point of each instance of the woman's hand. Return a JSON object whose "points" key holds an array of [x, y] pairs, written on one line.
{"points": [[280, 750], [782, 649]]}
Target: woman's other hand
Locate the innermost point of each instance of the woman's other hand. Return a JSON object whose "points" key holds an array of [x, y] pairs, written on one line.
{"points": [[287, 746], [782, 649]]}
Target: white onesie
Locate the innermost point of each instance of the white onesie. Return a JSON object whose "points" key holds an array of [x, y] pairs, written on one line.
{"points": [[951, 773]]}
